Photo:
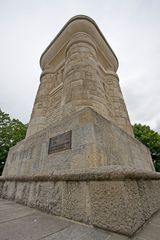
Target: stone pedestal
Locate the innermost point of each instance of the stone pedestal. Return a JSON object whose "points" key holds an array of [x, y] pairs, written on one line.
{"points": [[95, 142]]}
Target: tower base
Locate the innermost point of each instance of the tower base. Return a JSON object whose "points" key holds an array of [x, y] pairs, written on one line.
{"points": [[86, 169]]}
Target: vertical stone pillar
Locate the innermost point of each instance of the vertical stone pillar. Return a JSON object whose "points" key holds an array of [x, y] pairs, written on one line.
{"points": [[39, 112], [82, 84], [120, 114]]}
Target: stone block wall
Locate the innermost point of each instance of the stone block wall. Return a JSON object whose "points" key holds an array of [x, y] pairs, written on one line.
{"points": [[119, 200], [95, 142], [78, 71]]}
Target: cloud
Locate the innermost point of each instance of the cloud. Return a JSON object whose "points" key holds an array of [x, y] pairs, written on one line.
{"points": [[132, 28]]}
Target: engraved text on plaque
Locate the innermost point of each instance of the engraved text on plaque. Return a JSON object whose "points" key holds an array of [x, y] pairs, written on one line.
{"points": [[60, 143]]}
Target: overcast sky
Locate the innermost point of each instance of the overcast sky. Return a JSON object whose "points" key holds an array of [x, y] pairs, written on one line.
{"points": [[132, 28]]}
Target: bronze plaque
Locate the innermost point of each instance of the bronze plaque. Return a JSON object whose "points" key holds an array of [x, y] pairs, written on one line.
{"points": [[60, 143]]}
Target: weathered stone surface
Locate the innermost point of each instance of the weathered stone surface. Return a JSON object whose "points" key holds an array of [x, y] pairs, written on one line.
{"points": [[149, 193], [22, 192], [116, 206], [33, 194], [1, 187], [9, 190], [76, 201], [119, 205], [113, 172], [96, 142], [49, 197], [78, 71]]}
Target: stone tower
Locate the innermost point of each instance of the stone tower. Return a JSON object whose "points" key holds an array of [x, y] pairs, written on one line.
{"points": [[80, 159], [78, 71]]}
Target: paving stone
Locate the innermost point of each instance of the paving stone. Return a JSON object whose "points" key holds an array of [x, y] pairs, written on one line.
{"points": [[7, 214], [79, 232], [34, 226], [41, 226], [118, 237], [149, 232], [156, 218]]}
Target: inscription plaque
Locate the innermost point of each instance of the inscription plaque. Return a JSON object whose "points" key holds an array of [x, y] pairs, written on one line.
{"points": [[60, 143]]}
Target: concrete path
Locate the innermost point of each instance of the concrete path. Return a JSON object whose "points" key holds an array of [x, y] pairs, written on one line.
{"points": [[19, 222]]}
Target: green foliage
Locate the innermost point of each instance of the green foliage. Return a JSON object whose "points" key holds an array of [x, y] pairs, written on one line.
{"points": [[11, 132], [151, 139]]}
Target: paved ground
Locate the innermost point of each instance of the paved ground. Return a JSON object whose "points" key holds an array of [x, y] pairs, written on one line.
{"points": [[19, 222]]}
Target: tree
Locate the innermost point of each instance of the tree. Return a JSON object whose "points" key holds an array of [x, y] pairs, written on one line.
{"points": [[11, 132], [151, 139]]}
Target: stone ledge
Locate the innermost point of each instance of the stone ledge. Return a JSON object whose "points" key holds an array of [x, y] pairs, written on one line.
{"points": [[91, 174], [78, 18]]}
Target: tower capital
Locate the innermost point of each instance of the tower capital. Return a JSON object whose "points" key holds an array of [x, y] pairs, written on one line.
{"points": [[76, 25]]}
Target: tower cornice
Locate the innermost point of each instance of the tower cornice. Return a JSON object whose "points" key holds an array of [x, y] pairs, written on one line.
{"points": [[79, 23]]}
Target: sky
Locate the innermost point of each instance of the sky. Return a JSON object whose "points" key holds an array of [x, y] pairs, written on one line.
{"points": [[132, 28]]}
